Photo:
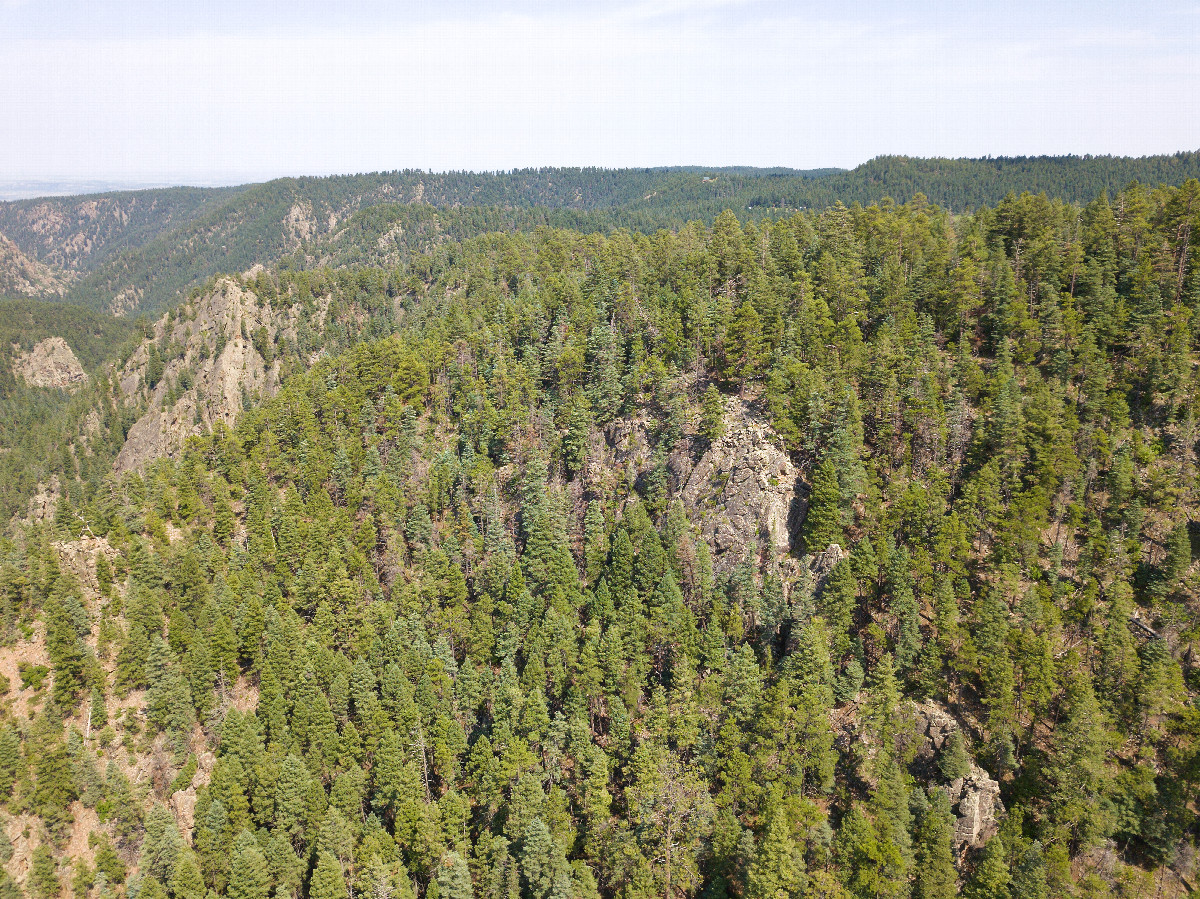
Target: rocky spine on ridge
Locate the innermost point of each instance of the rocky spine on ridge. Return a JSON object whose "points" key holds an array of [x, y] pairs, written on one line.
{"points": [[200, 366], [50, 363]]}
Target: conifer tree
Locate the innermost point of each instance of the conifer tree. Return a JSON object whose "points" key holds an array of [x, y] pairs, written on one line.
{"points": [[43, 875], [823, 525], [540, 861], [777, 868], [454, 878], [161, 846], [954, 761], [836, 602], [98, 709], [327, 880], [1029, 875], [65, 619], [595, 542], [862, 860], [935, 874], [1117, 672], [131, 660], [905, 608], [291, 798], [10, 758], [1160, 688], [712, 415], [188, 882], [168, 700], [1074, 766], [575, 441], [248, 877], [1179, 555], [990, 879]]}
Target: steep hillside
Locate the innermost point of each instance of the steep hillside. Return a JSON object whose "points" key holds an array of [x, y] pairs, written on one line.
{"points": [[49, 401], [78, 233], [202, 364], [20, 275], [93, 337], [50, 363], [844, 555]]}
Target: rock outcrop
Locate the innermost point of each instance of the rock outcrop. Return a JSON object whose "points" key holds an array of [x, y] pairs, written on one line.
{"points": [[976, 803], [21, 274], [975, 797], [210, 365], [44, 502], [744, 490], [822, 563], [50, 364]]}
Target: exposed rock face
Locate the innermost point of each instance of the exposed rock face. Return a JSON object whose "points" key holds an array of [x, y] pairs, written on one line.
{"points": [[299, 224], [21, 274], [183, 806], [975, 798], [50, 364], [745, 489], [822, 563], [212, 369], [80, 556], [44, 502], [976, 801], [935, 724]]}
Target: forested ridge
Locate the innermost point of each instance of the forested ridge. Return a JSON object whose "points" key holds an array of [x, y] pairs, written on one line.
{"points": [[81, 232], [143, 251], [37, 424], [477, 603]]}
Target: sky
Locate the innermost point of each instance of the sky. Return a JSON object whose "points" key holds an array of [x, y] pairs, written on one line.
{"points": [[239, 90]]}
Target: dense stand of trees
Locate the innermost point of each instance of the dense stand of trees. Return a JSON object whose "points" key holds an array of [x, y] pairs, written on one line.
{"points": [[446, 641]]}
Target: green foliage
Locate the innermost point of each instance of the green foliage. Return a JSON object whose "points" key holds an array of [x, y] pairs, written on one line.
{"points": [[712, 415], [327, 881], [454, 879], [991, 877], [823, 524], [778, 865], [936, 877], [248, 877], [954, 761], [496, 650], [43, 874]]}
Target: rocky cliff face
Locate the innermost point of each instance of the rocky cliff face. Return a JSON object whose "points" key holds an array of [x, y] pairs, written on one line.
{"points": [[975, 797], [20, 274], [50, 364], [744, 489], [210, 365]]}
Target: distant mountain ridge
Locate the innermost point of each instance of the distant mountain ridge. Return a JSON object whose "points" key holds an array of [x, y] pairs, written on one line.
{"points": [[139, 252]]}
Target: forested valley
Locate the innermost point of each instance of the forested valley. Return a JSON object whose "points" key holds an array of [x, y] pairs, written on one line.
{"points": [[845, 552]]}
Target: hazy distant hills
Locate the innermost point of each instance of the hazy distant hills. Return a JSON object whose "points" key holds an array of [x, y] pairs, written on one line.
{"points": [[79, 232], [138, 251]]}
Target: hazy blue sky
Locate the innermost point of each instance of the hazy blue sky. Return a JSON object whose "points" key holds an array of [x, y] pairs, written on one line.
{"points": [[152, 90]]}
